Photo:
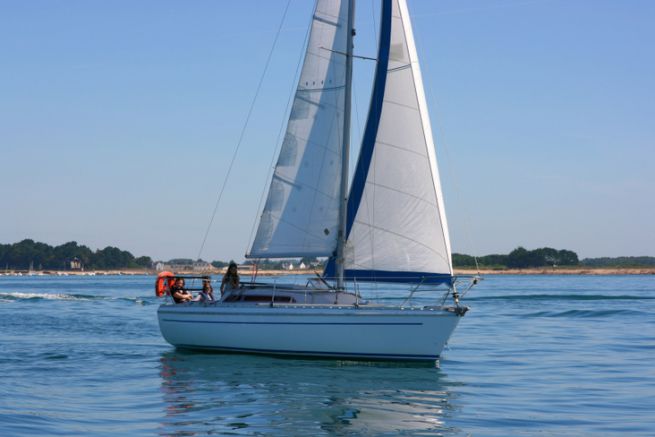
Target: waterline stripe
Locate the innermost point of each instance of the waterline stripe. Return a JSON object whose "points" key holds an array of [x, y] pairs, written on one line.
{"points": [[331, 354], [293, 323]]}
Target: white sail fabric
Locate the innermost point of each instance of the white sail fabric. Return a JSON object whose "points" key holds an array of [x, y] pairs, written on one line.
{"points": [[301, 211], [400, 228]]}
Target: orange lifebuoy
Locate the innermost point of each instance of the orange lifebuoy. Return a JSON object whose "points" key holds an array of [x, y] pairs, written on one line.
{"points": [[163, 283]]}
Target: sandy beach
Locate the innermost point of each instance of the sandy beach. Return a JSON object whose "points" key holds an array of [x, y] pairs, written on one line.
{"points": [[266, 273], [562, 271]]}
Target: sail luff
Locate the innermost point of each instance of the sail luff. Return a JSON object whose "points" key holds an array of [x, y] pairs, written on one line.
{"points": [[427, 125]]}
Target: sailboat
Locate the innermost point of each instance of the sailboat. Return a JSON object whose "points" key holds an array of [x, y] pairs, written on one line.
{"points": [[387, 226]]}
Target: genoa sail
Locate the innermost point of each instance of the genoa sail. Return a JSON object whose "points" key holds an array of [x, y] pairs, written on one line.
{"points": [[300, 216], [397, 228]]}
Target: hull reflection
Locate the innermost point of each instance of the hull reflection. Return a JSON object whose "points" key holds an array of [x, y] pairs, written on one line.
{"points": [[243, 394]]}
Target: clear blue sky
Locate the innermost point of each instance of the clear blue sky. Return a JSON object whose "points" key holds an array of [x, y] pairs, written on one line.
{"points": [[118, 119]]}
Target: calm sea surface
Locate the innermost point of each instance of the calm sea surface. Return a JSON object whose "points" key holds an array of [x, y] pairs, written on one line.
{"points": [[536, 355]]}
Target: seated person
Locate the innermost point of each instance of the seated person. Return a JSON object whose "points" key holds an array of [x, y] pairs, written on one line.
{"points": [[230, 279], [207, 293], [179, 293]]}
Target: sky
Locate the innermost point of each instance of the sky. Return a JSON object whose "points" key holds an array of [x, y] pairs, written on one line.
{"points": [[118, 120]]}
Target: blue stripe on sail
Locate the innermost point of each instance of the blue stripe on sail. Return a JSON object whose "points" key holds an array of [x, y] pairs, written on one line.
{"points": [[374, 114], [388, 276], [372, 124]]}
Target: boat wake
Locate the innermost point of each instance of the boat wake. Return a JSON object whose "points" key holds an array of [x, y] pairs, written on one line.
{"points": [[557, 297], [585, 313], [20, 296], [46, 296]]}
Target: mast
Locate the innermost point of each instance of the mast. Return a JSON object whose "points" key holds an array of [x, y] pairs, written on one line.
{"points": [[345, 150], [393, 246]]}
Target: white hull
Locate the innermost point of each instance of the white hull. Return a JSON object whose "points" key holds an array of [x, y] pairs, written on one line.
{"points": [[392, 222], [365, 332]]}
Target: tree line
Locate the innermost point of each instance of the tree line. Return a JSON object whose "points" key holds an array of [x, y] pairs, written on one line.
{"points": [[621, 261], [30, 254], [520, 258]]}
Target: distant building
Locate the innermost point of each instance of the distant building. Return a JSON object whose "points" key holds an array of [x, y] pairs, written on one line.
{"points": [[201, 266], [302, 266], [184, 265], [76, 264]]}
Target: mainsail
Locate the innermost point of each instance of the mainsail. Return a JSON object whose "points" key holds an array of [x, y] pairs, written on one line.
{"points": [[300, 216], [397, 229]]}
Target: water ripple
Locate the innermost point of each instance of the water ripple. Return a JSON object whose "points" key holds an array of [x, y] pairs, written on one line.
{"points": [[534, 356], [558, 297]]}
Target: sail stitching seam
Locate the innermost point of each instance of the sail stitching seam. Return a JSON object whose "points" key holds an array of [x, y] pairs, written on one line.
{"points": [[304, 231], [340, 87], [394, 146], [402, 105], [309, 187], [377, 184], [314, 143], [401, 236], [402, 67]]}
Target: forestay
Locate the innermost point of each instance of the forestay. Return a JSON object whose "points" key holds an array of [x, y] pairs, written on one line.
{"points": [[301, 211], [397, 228]]}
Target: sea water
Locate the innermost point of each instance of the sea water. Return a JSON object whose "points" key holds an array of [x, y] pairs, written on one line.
{"points": [[535, 356]]}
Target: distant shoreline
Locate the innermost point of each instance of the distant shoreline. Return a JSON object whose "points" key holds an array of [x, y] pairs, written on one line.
{"points": [[592, 271]]}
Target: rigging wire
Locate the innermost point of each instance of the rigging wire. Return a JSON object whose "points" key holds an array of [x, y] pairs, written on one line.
{"points": [[375, 26], [376, 42], [243, 129]]}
